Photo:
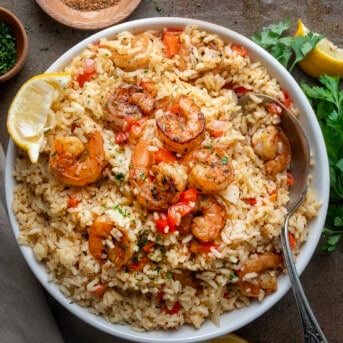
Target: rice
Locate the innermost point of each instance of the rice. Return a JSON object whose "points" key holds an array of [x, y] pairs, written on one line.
{"points": [[168, 284]]}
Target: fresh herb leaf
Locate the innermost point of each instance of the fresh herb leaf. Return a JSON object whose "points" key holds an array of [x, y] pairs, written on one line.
{"points": [[282, 53], [270, 35], [287, 50], [302, 45], [327, 102]]}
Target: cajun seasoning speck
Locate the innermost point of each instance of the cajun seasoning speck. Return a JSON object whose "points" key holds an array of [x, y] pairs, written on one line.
{"points": [[89, 5]]}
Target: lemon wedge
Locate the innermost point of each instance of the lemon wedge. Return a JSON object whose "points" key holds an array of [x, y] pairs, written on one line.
{"points": [[231, 338], [30, 112], [325, 58]]}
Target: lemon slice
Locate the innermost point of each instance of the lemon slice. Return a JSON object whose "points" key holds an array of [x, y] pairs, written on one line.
{"points": [[30, 110], [231, 338], [325, 58]]}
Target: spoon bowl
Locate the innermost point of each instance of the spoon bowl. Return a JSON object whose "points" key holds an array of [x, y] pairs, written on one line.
{"points": [[300, 168]]}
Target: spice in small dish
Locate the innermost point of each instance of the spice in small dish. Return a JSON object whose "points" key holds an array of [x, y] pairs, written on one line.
{"points": [[8, 51], [89, 5]]}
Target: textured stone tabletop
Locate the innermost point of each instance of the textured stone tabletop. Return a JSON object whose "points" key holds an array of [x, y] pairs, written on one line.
{"points": [[323, 277]]}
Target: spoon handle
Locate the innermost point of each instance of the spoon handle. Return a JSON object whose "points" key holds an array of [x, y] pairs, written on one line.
{"points": [[312, 330]]}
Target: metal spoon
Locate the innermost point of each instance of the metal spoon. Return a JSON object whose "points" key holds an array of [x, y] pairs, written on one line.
{"points": [[300, 166]]}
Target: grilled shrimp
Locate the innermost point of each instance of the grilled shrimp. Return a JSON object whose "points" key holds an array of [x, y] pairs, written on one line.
{"points": [[127, 105], [182, 131], [122, 250], [273, 147], [263, 281], [75, 164], [209, 170], [209, 220], [156, 186], [135, 54]]}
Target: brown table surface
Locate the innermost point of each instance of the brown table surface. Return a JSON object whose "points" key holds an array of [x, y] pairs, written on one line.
{"points": [[323, 278]]}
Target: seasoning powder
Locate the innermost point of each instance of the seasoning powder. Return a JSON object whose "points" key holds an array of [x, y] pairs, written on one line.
{"points": [[89, 5]]}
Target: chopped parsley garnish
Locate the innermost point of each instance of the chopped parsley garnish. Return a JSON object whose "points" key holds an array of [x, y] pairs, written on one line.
{"points": [[8, 51], [124, 213], [224, 161], [119, 177]]}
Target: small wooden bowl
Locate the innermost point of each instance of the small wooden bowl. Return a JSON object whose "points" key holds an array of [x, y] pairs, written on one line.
{"points": [[21, 42], [88, 20]]}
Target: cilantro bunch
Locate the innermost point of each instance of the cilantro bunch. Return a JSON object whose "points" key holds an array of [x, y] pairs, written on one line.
{"points": [[287, 50], [327, 102]]}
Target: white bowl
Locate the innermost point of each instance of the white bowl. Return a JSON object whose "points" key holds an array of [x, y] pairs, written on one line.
{"points": [[232, 320]]}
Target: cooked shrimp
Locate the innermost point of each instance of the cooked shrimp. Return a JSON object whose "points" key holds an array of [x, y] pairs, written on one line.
{"points": [[182, 132], [135, 54], [273, 147], [263, 281], [263, 262], [119, 254], [156, 185], [75, 164], [209, 220], [127, 105], [209, 170]]}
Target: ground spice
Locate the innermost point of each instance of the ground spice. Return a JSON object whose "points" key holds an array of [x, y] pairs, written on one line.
{"points": [[8, 51], [89, 5]]}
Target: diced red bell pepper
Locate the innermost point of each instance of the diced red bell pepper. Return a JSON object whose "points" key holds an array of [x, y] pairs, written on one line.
{"points": [[171, 41], [240, 50], [290, 179], [121, 137], [252, 201], [137, 267], [159, 296], [163, 155], [137, 127], [88, 71], [100, 289], [162, 223], [287, 101], [228, 85], [147, 247], [274, 108], [190, 195], [216, 134], [73, 202], [241, 90], [176, 212], [174, 310], [292, 241]]}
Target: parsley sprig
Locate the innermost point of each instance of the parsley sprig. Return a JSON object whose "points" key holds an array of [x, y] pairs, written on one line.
{"points": [[327, 102], [287, 50]]}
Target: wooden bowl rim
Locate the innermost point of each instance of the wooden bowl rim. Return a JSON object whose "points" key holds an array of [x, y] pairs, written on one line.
{"points": [[88, 20], [21, 37]]}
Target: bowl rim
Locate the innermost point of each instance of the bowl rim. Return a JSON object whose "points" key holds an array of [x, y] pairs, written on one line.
{"points": [[246, 314], [87, 20], [25, 45]]}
